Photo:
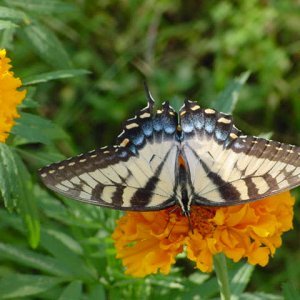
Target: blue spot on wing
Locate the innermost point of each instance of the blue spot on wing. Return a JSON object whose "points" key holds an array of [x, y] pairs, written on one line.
{"points": [[137, 138], [198, 119], [210, 123], [157, 124], [147, 128], [221, 134], [187, 125]]}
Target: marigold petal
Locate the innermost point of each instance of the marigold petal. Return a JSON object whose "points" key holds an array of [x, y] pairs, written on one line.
{"points": [[198, 251], [259, 255], [149, 242], [10, 97], [219, 217]]}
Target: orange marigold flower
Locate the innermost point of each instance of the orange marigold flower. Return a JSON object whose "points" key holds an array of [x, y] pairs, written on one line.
{"points": [[10, 97], [148, 242]]}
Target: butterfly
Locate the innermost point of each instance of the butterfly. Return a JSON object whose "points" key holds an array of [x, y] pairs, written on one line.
{"points": [[163, 159]]}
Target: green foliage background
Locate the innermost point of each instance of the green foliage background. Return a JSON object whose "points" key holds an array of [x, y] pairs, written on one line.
{"points": [[83, 63]]}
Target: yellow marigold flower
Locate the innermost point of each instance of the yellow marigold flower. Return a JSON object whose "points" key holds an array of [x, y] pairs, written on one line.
{"points": [[148, 242], [10, 97]]}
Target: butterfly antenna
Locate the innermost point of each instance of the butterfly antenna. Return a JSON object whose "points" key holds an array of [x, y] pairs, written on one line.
{"points": [[168, 222], [169, 234], [150, 99]]}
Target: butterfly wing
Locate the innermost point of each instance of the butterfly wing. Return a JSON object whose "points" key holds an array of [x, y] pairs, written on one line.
{"points": [[228, 168], [136, 174]]}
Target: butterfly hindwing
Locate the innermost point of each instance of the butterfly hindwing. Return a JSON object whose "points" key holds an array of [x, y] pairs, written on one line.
{"points": [[228, 168], [136, 174], [160, 160]]}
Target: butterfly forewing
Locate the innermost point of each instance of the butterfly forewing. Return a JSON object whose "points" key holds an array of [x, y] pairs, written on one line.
{"points": [[160, 160], [137, 174], [228, 168]]}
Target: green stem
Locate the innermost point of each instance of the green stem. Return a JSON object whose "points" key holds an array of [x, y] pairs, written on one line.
{"points": [[222, 275]]}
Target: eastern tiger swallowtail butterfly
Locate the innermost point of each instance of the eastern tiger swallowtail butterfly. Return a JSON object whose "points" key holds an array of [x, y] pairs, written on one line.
{"points": [[162, 159]]}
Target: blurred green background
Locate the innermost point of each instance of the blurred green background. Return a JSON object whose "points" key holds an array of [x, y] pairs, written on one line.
{"points": [[184, 49]]}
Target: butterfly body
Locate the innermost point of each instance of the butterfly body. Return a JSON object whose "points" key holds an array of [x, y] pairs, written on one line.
{"points": [[162, 159]]}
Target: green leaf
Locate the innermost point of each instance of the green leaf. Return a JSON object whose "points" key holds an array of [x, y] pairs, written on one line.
{"points": [[97, 293], [42, 6], [220, 266], [66, 240], [33, 259], [207, 289], [72, 291], [226, 102], [10, 13], [16, 190], [19, 285], [7, 25], [289, 291], [47, 45], [11, 220], [64, 253], [35, 129], [260, 296], [240, 280], [10, 188], [53, 75], [41, 157], [6, 38], [27, 203], [29, 101]]}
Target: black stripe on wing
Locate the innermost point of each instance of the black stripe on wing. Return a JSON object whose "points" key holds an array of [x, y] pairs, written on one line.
{"points": [[124, 176], [230, 168], [266, 168], [82, 178], [72, 177]]}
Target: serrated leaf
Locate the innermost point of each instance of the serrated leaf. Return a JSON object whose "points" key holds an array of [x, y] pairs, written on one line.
{"points": [[72, 291], [226, 102], [35, 129], [13, 14], [33, 259], [7, 25], [289, 291], [240, 280], [53, 76], [47, 45], [19, 285], [43, 6]]}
